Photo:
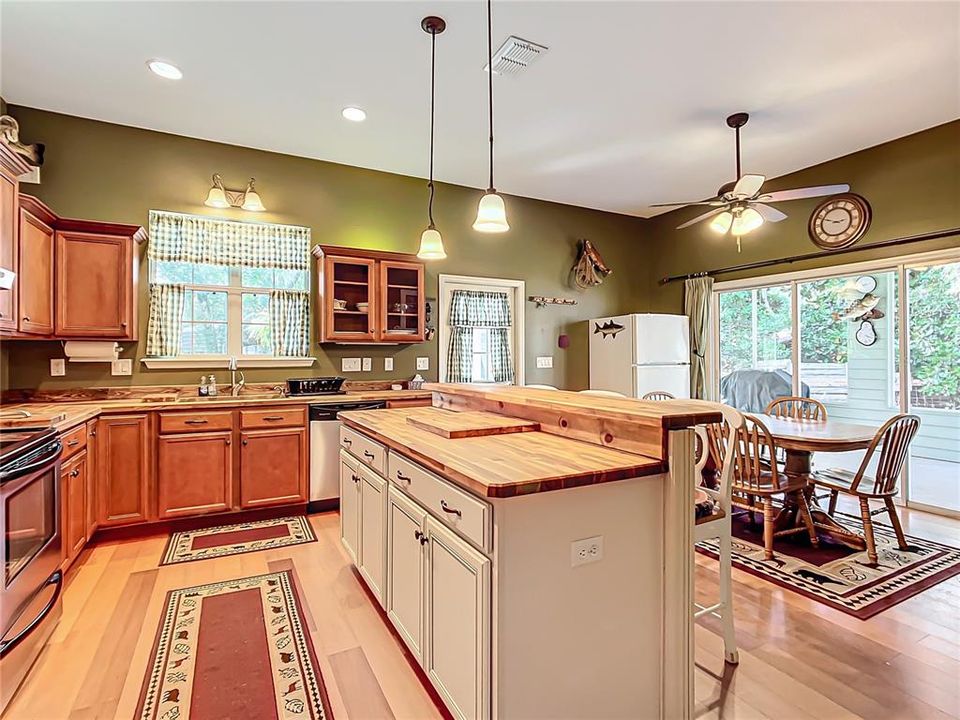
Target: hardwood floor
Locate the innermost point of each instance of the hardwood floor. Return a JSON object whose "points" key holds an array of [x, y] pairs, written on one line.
{"points": [[799, 659]]}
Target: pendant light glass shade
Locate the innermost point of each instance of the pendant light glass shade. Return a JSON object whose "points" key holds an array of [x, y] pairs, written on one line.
{"points": [[431, 245], [491, 214], [746, 221], [251, 199], [721, 223], [217, 197]]}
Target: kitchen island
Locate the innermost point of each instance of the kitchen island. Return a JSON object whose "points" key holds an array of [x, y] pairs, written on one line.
{"points": [[532, 548]]}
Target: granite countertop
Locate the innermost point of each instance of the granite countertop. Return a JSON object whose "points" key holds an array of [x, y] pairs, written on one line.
{"points": [[67, 413], [498, 465]]}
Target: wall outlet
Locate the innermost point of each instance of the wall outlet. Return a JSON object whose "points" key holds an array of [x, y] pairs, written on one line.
{"points": [[589, 550], [123, 366], [350, 365], [367, 364], [544, 362], [58, 367], [388, 364], [423, 363]]}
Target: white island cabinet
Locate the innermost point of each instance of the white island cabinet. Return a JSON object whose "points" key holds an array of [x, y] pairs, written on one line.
{"points": [[468, 543]]}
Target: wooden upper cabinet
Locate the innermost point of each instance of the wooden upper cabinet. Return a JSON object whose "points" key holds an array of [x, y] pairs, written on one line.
{"points": [[96, 285], [11, 166], [401, 302], [366, 296], [36, 267]]}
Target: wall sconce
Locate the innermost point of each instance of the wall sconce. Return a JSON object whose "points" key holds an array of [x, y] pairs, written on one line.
{"points": [[220, 197]]}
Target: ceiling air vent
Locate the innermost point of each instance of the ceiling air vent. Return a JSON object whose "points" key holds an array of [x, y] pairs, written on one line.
{"points": [[515, 55]]}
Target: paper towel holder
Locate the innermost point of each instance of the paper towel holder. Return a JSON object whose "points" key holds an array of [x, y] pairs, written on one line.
{"points": [[91, 351]]}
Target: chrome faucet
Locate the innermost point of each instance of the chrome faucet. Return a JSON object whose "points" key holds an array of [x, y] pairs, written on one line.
{"points": [[235, 387]]}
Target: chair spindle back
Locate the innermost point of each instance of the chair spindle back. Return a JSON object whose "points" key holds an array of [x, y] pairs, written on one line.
{"points": [[658, 395], [754, 445], [797, 408], [893, 439]]}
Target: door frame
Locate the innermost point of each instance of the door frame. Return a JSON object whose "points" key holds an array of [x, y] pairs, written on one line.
{"points": [[516, 289], [899, 264]]}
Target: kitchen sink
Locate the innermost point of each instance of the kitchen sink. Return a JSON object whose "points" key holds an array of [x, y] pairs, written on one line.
{"points": [[228, 396]]}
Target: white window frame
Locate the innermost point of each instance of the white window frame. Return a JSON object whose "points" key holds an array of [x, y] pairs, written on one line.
{"points": [[516, 293], [900, 264], [235, 292]]}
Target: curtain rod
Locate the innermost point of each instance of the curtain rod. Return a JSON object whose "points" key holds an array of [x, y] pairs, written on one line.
{"points": [[936, 234]]}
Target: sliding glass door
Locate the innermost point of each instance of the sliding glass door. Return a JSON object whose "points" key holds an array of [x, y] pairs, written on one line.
{"points": [[933, 346], [869, 341]]}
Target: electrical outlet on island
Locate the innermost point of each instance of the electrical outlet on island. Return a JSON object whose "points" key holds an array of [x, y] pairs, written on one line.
{"points": [[588, 550]]}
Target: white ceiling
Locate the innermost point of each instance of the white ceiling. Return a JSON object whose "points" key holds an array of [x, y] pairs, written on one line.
{"points": [[626, 109]]}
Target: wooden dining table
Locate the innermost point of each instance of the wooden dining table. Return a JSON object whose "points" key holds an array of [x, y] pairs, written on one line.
{"points": [[800, 439]]}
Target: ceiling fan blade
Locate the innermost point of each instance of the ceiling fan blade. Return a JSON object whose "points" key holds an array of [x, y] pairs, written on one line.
{"points": [[713, 202], [807, 192], [768, 213], [699, 218], [747, 186]]}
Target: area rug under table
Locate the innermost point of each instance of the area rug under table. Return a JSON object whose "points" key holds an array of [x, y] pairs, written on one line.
{"points": [[839, 576], [235, 539], [234, 649]]}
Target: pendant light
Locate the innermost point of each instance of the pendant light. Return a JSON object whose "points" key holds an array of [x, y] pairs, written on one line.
{"points": [[491, 214], [431, 243]]}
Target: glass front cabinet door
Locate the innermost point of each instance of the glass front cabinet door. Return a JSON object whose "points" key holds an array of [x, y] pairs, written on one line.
{"points": [[401, 305]]}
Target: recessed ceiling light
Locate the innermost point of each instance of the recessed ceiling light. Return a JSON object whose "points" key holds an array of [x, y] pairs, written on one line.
{"points": [[164, 69], [354, 114]]}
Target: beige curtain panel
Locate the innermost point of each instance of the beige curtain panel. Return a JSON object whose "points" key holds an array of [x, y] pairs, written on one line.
{"points": [[696, 304], [166, 320], [290, 323]]}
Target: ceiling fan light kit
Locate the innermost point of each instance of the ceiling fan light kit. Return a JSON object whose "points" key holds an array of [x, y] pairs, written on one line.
{"points": [[739, 207]]}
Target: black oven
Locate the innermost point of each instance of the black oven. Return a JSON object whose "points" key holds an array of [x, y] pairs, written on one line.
{"points": [[30, 549]]}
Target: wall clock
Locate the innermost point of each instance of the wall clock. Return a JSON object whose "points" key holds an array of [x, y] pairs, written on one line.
{"points": [[839, 221]]}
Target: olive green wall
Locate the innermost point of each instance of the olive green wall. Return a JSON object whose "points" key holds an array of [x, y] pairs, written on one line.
{"points": [[102, 171], [912, 184]]}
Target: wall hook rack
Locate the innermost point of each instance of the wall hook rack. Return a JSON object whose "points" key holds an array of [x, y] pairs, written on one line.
{"points": [[542, 301]]}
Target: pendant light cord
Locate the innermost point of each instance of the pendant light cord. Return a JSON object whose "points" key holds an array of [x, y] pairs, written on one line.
{"points": [[490, 82], [433, 73]]}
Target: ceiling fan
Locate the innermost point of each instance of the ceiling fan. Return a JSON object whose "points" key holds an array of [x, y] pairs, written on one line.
{"points": [[740, 206]]}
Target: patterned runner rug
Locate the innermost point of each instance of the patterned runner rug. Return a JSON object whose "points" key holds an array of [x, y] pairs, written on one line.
{"points": [[234, 649], [838, 576], [239, 538]]}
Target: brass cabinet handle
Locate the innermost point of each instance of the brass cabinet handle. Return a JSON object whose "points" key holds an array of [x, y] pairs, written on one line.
{"points": [[367, 454], [228, 441], [93, 433], [447, 509], [26, 319], [71, 443], [195, 422], [274, 417], [123, 324], [75, 473], [244, 441]]}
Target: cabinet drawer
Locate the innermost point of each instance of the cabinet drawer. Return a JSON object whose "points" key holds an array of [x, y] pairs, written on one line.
{"points": [[74, 441], [367, 451], [273, 417], [470, 516], [178, 422]]}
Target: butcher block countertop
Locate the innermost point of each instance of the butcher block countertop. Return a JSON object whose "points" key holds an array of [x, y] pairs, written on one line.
{"points": [[498, 465], [67, 413]]}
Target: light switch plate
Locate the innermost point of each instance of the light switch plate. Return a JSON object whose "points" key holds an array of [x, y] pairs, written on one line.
{"points": [[123, 366], [350, 365], [388, 364], [367, 364], [544, 362], [423, 363], [58, 367]]}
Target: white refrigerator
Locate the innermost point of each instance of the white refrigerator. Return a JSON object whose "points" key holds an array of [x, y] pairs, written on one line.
{"points": [[640, 353]]}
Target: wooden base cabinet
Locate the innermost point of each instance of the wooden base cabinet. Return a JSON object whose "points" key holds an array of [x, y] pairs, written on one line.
{"points": [[123, 469], [73, 506], [406, 523], [194, 474], [373, 546], [273, 467]]}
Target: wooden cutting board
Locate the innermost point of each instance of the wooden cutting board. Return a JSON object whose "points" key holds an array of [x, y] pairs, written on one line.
{"points": [[470, 423]]}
